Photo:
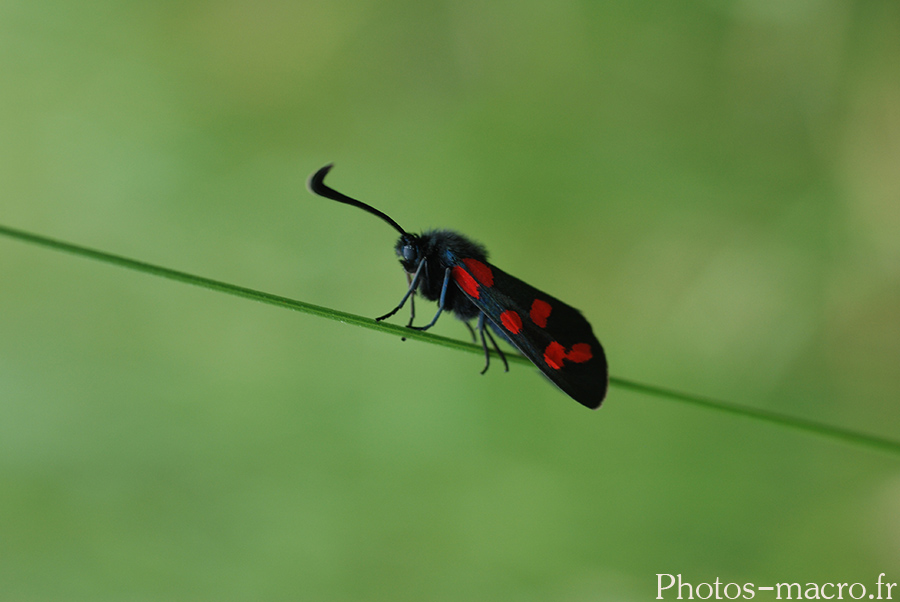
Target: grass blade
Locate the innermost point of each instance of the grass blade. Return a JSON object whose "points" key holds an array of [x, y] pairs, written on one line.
{"points": [[784, 420]]}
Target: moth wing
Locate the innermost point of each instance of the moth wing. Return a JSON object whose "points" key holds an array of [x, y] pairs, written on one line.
{"points": [[550, 333]]}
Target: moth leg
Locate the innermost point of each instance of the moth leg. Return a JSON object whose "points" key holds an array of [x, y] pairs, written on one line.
{"points": [[440, 303], [412, 305], [413, 284], [412, 302], [499, 352], [471, 331], [487, 354]]}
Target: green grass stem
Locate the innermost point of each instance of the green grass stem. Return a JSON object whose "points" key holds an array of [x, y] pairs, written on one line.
{"points": [[783, 420]]}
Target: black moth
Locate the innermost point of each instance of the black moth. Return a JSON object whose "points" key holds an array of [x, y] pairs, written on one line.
{"points": [[447, 267]]}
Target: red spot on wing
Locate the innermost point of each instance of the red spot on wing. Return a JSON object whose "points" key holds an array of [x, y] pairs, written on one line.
{"points": [[482, 273], [511, 321], [540, 311], [555, 354], [465, 281], [580, 353]]}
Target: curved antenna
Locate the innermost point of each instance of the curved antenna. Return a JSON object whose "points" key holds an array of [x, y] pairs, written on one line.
{"points": [[317, 185]]}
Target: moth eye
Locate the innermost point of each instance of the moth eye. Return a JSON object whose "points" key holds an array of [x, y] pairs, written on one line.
{"points": [[408, 252]]}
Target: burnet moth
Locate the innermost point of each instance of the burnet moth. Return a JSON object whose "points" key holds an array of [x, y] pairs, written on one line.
{"points": [[447, 267]]}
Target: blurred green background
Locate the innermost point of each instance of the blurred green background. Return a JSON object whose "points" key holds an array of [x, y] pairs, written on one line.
{"points": [[715, 184]]}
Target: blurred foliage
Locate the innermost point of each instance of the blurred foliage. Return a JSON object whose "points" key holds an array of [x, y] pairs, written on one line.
{"points": [[714, 184]]}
